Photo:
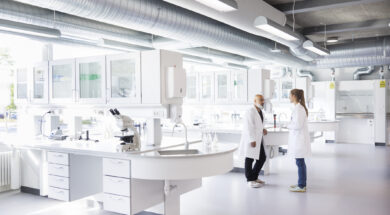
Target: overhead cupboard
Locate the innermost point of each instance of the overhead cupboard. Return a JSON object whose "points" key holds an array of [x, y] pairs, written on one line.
{"points": [[217, 87], [92, 80]]}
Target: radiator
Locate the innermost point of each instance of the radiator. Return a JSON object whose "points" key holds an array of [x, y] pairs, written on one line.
{"points": [[5, 170]]}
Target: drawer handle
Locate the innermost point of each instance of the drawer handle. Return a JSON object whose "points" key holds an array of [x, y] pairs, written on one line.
{"points": [[116, 181], [58, 155], [58, 167], [116, 198], [59, 191], [60, 179], [117, 162]]}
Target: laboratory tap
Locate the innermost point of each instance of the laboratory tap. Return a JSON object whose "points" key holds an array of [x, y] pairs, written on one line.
{"points": [[280, 116], [185, 132]]}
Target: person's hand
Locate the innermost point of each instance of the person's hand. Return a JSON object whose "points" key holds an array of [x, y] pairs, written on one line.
{"points": [[253, 144], [265, 132]]}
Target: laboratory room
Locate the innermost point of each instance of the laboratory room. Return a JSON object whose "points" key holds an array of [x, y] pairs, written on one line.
{"points": [[194, 107]]}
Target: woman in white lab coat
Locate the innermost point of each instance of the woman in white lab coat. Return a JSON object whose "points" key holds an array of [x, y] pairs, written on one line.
{"points": [[251, 145], [299, 140]]}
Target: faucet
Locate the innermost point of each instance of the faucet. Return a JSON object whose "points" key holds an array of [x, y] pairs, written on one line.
{"points": [[280, 116], [187, 145]]}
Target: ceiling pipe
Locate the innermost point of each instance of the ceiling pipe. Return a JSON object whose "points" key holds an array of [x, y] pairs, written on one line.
{"points": [[167, 20], [375, 52], [88, 32], [363, 71], [304, 73]]}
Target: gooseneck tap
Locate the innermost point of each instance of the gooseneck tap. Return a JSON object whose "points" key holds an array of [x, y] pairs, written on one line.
{"points": [[187, 145]]}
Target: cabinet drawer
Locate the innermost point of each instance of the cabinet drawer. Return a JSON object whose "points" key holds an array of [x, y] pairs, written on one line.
{"points": [[115, 167], [115, 185], [58, 158], [59, 194], [58, 170], [59, 182], [118, 204]]}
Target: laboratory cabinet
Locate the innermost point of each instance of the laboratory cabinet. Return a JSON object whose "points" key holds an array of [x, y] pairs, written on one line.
{"points": [[192, 88], [206, 87], [90, 80], [283, 87], [21, 86], [40, 83], [62, 81], [222, 87], [71, 177], [239, 86], [123, 78], [124, 194]]}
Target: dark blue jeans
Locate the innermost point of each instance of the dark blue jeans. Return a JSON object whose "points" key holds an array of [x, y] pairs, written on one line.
{"points": [[301, 172]]}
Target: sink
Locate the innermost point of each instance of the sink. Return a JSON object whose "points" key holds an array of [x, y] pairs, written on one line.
{"points": [[179, 152]]}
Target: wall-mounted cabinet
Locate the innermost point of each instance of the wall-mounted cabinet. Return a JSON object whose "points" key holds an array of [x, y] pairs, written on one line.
{"points": [[40, 83], [222, 87], [192, 88], [21, 88], [239, 86], [123, 79], [62, 81], [206, 87], [91, 80]]}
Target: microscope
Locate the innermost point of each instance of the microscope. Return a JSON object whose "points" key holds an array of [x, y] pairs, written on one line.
{"points": [[125, 123]]}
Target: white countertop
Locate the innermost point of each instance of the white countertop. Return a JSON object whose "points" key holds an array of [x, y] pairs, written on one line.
{"points": [[108, 149]]}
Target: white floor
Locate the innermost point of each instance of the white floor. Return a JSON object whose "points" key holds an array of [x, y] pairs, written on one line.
{"points": [[343, 179]]}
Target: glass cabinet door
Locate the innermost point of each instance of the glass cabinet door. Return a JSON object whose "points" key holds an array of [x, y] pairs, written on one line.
{"points": [[21, 85], [239, 86], [286, 85], [206, 86], [222, 86], [123, 78], [40, 83], [192, 87], [90, 80], [62, 81]]}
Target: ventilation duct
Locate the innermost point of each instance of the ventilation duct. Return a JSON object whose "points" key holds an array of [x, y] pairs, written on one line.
{"points": [[304, 73], [163, 19], [373, 52], [365, 71]]}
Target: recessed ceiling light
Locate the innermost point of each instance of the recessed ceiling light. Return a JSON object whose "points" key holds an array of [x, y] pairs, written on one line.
{"points": [[309, 45], [332, 39], [220, 5], [275, 29]]}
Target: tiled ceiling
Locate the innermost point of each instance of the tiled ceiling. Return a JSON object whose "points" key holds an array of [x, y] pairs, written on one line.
{"points": [[340, 15]]}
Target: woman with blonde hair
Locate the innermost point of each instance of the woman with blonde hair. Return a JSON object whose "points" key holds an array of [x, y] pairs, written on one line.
{"points": [[299, 140]]}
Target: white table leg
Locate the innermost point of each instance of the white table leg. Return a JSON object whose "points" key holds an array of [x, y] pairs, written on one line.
{"points": [[172, 204]]}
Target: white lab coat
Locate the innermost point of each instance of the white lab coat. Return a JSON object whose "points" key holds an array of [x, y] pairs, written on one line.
{"points": [[252, 131], [299, 139]]}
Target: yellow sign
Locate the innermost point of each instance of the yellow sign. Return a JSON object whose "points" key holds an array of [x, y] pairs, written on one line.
{"points": [[382, 84], [331, 85]]}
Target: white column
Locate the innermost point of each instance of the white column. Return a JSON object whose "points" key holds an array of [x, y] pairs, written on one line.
{"points": [[380, 112]]}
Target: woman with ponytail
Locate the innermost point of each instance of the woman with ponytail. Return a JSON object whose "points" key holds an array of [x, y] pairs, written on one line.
{"points": [[299, 140]]}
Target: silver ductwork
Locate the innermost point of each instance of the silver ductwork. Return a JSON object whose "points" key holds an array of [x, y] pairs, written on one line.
{"points": [[304, 73], [163, 19], [372, 52], [366, 71]]}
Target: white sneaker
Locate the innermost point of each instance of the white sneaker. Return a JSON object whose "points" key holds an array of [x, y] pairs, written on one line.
{"points": [[260, 181], [253, 184]]}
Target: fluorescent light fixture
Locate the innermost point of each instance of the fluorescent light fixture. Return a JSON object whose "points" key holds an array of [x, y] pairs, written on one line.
{"points": [[121, 46], [332, 39], [220, 5], [18, 27], [309, 45], [273, 28]]}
